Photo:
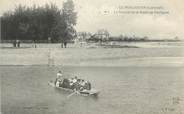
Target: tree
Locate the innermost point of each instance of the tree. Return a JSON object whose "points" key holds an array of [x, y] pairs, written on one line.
{"points": [[38, 23], [69, 14], [70, 17], [58, 32]]}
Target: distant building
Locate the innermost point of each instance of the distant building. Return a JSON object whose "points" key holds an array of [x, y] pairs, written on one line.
{"points": [[83, 36], [102, 34]]}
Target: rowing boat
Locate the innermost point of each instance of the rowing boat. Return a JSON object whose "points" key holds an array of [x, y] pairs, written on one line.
{"points": [[92, 92]]}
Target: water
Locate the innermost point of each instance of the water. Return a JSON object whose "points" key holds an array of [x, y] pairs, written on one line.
{"points": [[123, 90]]}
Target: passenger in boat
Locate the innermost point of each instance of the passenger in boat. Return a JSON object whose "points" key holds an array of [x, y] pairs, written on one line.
{"points": [[79, 81], [76, 84], [87, 85], [75, 79], [66, 83], [70, 83], [82, 85], [70, 80]]}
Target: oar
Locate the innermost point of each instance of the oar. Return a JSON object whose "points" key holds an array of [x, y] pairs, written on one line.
{"points": [[71, 94]]}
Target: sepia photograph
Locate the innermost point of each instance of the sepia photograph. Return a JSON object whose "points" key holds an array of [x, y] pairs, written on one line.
{"points": [[91, 57]]}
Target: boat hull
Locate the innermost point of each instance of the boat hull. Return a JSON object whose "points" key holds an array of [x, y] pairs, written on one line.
{"points": [[92, 92]]}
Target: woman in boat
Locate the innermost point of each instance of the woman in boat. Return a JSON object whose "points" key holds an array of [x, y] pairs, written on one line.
{"points": [[82, 85], [66, 83], [76, 84], [87, 85], [75, 79]]}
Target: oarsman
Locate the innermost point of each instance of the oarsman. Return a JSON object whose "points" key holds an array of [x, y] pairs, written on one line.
{"points": [[59, 77]]}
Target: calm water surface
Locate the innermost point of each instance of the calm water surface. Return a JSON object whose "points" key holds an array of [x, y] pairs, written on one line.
{"points": [[124, 90]]}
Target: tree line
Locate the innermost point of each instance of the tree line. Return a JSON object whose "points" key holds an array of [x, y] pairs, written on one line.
{"points": [[37, 23]]}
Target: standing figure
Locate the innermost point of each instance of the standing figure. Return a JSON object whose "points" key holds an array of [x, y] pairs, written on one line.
{"points": [[14, 43], [18, 43], [65, 44], [59, 77]]}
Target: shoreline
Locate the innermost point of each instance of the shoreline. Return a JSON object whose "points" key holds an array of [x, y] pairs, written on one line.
{"points": [[129, 62], [170, 56], [112, 44]]}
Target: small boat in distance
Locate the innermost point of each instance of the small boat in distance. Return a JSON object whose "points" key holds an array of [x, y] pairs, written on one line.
{"points": [[84, 92]]}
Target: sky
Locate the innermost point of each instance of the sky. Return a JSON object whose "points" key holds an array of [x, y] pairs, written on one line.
{"points": [[113, 15]]}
